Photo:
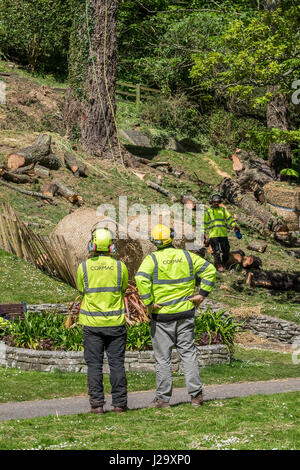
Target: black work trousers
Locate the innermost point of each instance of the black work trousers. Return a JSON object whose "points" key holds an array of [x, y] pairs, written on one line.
{"points": [[95, 342], [221, 249]]}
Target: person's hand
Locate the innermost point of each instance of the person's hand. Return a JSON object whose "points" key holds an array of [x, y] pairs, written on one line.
{"points": [[197, 299], [150, 309]]}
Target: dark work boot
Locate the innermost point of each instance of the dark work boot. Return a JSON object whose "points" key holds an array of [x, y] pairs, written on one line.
{"points": [[198, 400], [98, 410], [120, 409]]}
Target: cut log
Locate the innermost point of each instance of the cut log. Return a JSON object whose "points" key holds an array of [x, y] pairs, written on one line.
{"points": [[251, 171], [40, 152], [257, 245], [279, 281], [41, 171], [253, 262], [14, 178], [23, 191], [68, 193], [75, 165], [236, 257], [49, 189], [15, 161], [23, 169], [287, 239], [237, 164], [161, 190], [231, 191]]}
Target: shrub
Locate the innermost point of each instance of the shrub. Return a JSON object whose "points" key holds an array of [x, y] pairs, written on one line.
{"points": [[47, 332], [227, 132], [175, 115], [215, 328]]}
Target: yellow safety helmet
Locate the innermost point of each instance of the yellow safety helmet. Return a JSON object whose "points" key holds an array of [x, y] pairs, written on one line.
{"points": [[102, 240], [162, 235]]}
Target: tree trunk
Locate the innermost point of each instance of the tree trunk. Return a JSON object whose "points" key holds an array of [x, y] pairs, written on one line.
{"points": [[274, 280], [246, 201], [278, 116], [90, 107]]}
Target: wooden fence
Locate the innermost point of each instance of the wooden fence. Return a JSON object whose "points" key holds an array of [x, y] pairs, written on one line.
{"points": [[51, 256], [137, 94]]}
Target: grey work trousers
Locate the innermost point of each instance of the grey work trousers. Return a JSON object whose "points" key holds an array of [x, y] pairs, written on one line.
{"points": [[166, 335]]}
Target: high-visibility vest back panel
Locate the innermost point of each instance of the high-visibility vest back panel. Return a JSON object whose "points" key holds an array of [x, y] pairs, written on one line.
{"points": [[168, 276], [173, 280], [103, 303]]}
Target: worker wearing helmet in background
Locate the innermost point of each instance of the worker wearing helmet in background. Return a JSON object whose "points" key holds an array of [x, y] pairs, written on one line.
{"points": [[103, 281], [216, 221], [166, 282]]}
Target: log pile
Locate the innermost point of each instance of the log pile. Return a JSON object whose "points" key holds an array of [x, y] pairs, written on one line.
{"points": [[274, 280], [251, 171], [36, 162], [231, 190], [247, 191], [247, 262]]}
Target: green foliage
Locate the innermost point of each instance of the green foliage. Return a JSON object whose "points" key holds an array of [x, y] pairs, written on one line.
{"points": [[263, 138], [36, 33], [178, 37], [139, 337], [254, 51], [47, 331], [227, 131], [176, 115], [218, 323]]}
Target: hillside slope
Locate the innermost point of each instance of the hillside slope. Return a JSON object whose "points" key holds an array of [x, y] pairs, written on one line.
{"points": [[106, 183]]}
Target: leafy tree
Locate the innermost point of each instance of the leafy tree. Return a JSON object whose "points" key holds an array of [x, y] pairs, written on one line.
{"points": [[256, 60], [36, 32]]}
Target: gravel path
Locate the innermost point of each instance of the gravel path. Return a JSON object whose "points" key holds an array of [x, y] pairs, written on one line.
{"points": [[136, 400]]}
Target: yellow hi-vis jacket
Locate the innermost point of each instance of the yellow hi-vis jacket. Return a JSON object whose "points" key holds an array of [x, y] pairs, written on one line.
{"points": [[168, 276], [103, 281], [216, 222]]}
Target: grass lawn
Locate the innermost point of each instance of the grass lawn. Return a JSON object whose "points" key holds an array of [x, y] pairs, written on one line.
{"points": [[249, 365], [256, 422], [20, 281]]}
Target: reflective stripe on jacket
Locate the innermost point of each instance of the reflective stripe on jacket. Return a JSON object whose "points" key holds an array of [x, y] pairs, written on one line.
{"points": [[168, 277], [216, 222], [103, 281]]}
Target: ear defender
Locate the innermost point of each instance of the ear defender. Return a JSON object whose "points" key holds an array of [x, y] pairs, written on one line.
{"points": [[112, 248], [92, 247]]}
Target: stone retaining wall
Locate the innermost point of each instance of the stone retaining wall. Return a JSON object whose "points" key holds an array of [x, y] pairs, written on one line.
{"points": [[271, 328], [49, 361], [63, 308]]}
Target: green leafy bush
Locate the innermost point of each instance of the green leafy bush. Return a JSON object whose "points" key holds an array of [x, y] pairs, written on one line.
{"points": [[139, 337], [215, 328], [47, 332], [175, 115], [44, 331], [227, 132]]}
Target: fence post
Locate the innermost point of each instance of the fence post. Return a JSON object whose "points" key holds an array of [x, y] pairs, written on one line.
{"points": [[138, 95]]}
